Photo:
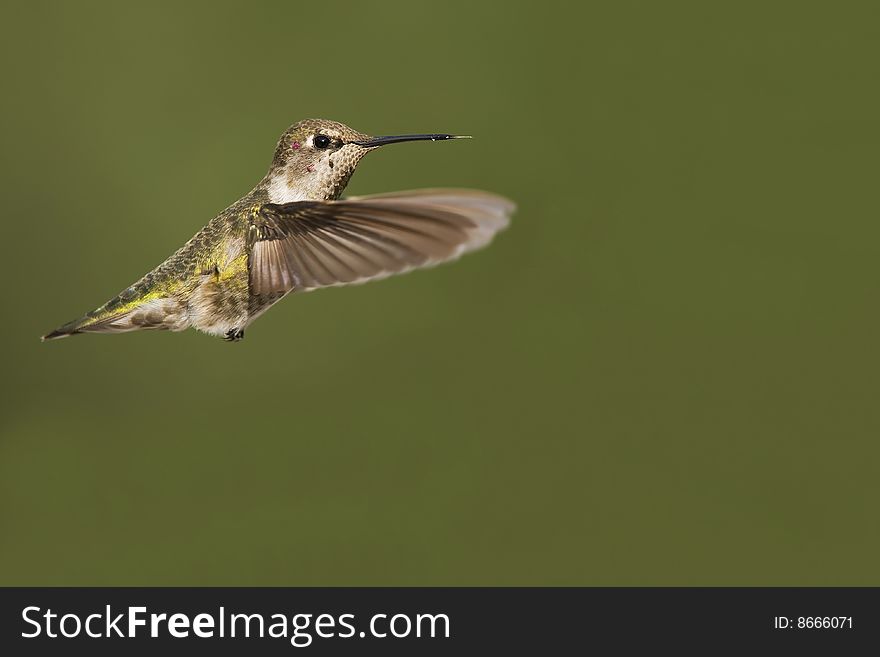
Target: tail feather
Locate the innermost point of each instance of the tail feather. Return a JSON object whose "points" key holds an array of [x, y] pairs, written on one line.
{"points": [[161, 313], [71, 328], [88, 324]]}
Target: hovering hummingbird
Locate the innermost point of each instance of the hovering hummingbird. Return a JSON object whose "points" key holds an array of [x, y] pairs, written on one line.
{"points": [[292, 233]]}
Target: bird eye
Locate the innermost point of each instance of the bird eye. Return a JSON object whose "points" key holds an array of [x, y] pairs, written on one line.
{"points": [[321, 141]]}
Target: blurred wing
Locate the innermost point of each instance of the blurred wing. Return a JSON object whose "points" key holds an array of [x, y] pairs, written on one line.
{"points": [[310, 244]]}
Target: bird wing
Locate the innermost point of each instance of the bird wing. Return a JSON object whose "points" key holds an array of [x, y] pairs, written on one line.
{"points": [[310, 244]]}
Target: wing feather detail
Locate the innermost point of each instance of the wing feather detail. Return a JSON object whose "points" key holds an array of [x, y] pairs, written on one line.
{"points": [[311, 244]]}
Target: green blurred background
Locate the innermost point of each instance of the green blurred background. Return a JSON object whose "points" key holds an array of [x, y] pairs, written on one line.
{"points": [[666, 372]]}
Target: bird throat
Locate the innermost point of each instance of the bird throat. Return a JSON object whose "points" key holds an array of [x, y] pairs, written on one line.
{"points": [[280, 189], [323, 181]]}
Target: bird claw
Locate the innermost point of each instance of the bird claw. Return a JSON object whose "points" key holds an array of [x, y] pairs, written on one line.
{"points": [[234, 335]]}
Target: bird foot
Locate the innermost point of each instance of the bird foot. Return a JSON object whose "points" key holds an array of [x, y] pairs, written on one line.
{"points": [[234, 335]]}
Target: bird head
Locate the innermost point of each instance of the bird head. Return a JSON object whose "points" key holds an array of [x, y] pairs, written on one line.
{"points": [[315, 158]]}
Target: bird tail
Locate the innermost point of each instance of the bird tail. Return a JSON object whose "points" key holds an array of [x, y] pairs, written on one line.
{"points": [[157, 313], [74, 327], [89, 324]]}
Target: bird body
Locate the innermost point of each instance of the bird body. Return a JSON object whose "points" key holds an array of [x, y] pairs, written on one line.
{"points": [[291, 233]]}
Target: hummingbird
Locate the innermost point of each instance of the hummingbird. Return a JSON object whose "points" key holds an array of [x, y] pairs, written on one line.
{"points": [[294, 233]]}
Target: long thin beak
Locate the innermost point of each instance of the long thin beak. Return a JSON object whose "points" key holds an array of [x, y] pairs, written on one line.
{"points": [[394, 139]]}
